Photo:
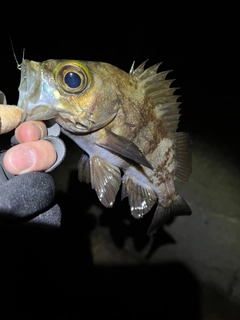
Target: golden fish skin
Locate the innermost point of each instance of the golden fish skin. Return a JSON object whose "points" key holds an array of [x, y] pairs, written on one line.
{"points": [[124, 122]]}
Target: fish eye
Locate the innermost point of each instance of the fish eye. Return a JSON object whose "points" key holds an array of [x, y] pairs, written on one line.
{"points": [[71, 77], [72, 80]]}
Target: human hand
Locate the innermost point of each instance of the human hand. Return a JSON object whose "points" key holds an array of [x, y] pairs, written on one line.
{"points": [[26, 194], [31, 154]]}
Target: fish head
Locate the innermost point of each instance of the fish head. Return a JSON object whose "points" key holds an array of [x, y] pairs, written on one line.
{"points": [[75, 93]]}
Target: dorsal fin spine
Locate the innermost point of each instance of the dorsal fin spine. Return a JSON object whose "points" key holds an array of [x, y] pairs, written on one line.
{"points": [[160, 93]]}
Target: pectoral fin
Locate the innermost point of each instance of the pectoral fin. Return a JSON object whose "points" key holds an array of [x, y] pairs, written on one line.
{"points": [[123, 147]]}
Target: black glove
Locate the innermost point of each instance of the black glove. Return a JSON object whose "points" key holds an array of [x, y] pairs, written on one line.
{"points": [[29, 198]]}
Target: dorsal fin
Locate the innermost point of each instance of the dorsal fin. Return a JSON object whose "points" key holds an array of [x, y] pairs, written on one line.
{"points": [[149, 72], [160, 93], [139, 69]]}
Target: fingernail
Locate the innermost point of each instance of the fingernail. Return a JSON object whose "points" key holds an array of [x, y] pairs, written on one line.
{"points": [[22, 159]]}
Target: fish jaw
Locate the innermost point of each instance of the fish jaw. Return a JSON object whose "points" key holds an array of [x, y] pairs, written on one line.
{"points": [[33, 90]]}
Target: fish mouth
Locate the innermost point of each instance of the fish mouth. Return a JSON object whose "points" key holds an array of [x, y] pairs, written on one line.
{"points": [[31, 93], [84, 125]]}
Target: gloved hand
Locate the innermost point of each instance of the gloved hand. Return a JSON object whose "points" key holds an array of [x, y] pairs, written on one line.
{"points": [[29, 198]]}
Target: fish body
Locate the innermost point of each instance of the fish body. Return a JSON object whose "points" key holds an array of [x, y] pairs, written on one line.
{"points": [[126, 125]]}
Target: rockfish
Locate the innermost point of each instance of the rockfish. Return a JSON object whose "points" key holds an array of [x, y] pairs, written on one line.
{"points": [[125, 123]]}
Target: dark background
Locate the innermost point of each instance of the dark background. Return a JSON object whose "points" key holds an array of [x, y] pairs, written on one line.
{"points": [[51, 275], [200, 45]]}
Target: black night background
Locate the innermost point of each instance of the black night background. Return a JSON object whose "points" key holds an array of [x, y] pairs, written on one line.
{"points": [[82, 271]]}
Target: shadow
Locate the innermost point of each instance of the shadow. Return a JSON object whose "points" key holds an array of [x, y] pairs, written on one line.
{"points": [[122, 225], [142, 292], [50, 281]]}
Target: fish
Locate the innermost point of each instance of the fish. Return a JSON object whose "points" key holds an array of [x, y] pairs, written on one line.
{"points": [[126, 124]]}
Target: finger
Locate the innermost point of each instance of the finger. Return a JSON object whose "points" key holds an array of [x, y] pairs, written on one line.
{"points": [[30, 156], [30, 131]]}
